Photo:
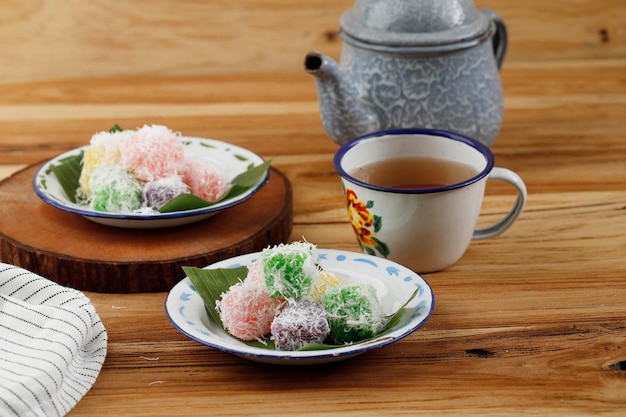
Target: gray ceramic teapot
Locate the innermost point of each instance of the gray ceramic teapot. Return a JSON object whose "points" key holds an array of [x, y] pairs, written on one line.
{"points": [[413, 63]]}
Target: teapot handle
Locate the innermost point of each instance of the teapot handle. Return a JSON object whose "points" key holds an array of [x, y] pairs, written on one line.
{"points": [[500, 37]]}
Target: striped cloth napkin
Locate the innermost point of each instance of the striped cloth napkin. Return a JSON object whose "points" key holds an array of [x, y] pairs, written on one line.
{"points": [[52, 345]]}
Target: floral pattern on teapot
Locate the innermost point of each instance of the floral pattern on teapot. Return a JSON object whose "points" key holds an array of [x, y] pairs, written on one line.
{"points": [[451, 86]]}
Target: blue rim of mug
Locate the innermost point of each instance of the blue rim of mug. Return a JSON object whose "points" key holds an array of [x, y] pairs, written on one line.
{"points": [[480, 147]]}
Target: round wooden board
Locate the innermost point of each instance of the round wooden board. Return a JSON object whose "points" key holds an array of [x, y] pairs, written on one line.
{"points": [[81, 254]]}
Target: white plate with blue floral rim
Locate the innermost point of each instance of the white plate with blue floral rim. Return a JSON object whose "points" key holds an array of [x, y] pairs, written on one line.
{"points": [[230, 159], [394, 285]]}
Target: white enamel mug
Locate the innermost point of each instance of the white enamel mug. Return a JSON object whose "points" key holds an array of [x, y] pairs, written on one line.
{"points": [[425, 229]]}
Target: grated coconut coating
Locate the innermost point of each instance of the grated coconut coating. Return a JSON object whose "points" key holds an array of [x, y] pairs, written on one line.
{"points": [[290, 271], [298, 324], [354, 312]]}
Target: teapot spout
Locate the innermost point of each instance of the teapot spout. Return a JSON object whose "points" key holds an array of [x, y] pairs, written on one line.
{"points": [[345, 115]]}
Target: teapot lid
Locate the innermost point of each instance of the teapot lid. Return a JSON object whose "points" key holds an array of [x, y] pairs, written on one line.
{"points": [[433, 24]]}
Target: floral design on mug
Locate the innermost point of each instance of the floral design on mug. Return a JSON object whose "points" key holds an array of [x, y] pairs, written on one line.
{"points": [[365, 224]]}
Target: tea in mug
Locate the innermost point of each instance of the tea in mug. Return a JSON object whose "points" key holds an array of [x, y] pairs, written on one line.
{"points": [[414, 172]]}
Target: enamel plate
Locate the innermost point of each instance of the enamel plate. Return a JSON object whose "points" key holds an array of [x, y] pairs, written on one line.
{"points": [[230, 159], [394, 284]]}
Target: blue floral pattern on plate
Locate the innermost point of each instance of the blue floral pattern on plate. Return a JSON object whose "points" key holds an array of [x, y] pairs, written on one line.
{"points": [[394, 284]]}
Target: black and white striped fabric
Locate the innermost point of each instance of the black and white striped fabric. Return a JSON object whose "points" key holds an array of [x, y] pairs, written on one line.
{"points": [[52, 345]]}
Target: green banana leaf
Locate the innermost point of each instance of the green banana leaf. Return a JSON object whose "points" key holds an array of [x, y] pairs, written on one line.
{"points": [[68, 172], [212, 283]]}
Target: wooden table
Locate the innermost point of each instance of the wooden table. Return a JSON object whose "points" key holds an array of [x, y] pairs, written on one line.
{"points": [[532, 322]]}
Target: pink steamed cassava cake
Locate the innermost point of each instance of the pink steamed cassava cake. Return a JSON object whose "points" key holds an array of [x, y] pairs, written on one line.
{"points": [[152, 153], [151, 158]]}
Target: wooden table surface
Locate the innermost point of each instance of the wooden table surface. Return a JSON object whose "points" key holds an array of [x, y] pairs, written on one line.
{"points": [[532, 322]]}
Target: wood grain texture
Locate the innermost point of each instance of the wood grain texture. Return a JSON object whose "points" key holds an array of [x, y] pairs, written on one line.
{"points": [[530, 323], [95, 38], [79, 253]]}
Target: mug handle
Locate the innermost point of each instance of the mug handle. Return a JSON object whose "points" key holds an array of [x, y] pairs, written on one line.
{"points": [[514, 179]]}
